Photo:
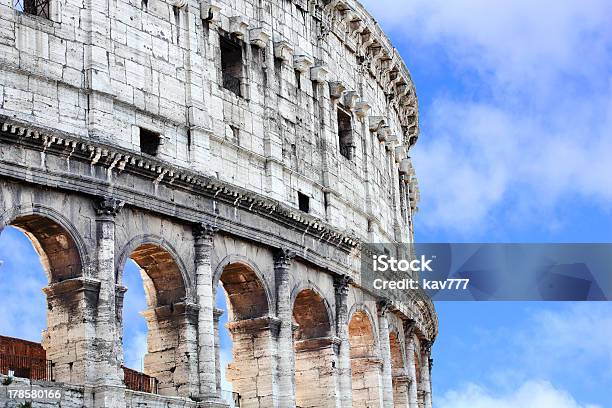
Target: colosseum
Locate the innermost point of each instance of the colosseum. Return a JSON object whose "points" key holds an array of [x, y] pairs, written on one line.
{"points": [[246, 146]]}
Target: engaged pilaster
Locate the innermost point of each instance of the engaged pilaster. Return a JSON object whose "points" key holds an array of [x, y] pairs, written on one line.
{"points": [[385, 351], [108, 377], [426, 374], [286, 364], [412, 363], [207, 369], [341, 286]]}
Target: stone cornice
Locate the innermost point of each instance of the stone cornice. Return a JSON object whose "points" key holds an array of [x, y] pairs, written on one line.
{"points": [[119, 160], [353, 25]]}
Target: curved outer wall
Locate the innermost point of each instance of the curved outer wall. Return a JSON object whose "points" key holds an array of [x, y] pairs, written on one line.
{"points": [[150, 122]]}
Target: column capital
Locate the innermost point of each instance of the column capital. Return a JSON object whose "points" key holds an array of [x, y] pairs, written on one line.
{"points": [[426, 346], [409, 328], [108, 206], [283, 257], [342, 284], [383, 306], [204, 231]]}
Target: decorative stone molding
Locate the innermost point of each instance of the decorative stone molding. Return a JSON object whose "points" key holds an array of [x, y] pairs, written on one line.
{"points": [[350, 99], [319, 73], [210, 11], [302, 62], [179, 3], [238, 26], [283, 50], [336, 89], [283, 257], [376, 122], [383, 133], [392, 139], [204, 231], [109, 206], [400, 153], [342, 284], [361, 109], [383, 306], [404, 166], [258, 37]]}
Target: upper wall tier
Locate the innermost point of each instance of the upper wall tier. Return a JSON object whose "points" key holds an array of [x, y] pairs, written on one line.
{"points": [[306, 102]]}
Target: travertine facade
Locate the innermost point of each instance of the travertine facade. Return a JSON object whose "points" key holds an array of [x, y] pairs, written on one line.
{"points": [[249, 146]]}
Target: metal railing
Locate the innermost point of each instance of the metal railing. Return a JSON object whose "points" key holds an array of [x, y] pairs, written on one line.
{"points": [[26, 367], [137, 381]]}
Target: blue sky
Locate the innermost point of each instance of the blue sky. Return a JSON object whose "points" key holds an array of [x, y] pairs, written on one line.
{"points": [[516, 146]]}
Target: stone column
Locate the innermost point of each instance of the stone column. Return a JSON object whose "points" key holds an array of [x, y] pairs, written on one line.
{"points": [[207, 366], [286, 362], [385, 353], [341, 285], [426, 374], [108, 378], [217, 313], [410, 351]]}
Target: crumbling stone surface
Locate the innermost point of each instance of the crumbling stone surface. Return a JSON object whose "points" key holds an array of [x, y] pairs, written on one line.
{"points": [[243, 146]]}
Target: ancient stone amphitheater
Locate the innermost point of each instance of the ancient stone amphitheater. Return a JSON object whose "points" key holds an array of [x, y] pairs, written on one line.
{"points": [[248, 146]]}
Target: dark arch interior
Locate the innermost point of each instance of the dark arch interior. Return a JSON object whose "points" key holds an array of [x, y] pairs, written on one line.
{"points": [[245, 292], [162, 277], [310, 314], [57, 250], [361, 336]]}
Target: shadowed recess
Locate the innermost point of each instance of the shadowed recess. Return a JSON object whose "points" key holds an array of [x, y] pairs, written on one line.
{"points": [[162, 277], [245, 292], [310, 314], [361, 336], [57, 250]]}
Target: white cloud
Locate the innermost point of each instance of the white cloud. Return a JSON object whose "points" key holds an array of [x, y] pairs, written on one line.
{"points": [[531, 394], [579, 332], [531, 127]]}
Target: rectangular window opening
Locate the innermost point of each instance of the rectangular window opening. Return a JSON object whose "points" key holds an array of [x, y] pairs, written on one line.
{"points": [[33, 7], [231, 65], [149, 142], [303, 202], [345, 133]]}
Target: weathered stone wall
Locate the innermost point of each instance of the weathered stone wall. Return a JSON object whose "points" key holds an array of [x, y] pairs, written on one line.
{"points": [[216, 205], [102, 70]]}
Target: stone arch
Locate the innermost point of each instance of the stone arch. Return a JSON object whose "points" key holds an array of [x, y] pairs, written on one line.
{"points": [[170, 316], [166, 279], [363, 335], [65, 260], [240, 276], [251, 329], [311, 312], [365, 360], [61, 248], [316, 362], [325, 304]]}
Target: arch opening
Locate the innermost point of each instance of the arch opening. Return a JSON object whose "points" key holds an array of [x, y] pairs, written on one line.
{"points": [[39, 261], [316, 372], [243, 325], [365, 363], [161, 335]]}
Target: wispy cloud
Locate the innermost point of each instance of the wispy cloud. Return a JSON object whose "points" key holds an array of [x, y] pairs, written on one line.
{"points": [[522, 122], [531, 394]]}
